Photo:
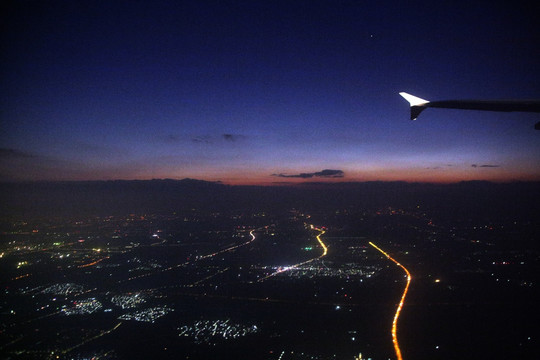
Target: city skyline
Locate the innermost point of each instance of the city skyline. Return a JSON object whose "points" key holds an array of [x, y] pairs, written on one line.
{"points": [[265, 93]]}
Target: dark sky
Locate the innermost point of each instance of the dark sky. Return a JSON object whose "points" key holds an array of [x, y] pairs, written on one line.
{"points": [[257, 92]]}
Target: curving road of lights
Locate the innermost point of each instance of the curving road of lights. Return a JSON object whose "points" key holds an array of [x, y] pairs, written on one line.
{"points": [[396, 316]]}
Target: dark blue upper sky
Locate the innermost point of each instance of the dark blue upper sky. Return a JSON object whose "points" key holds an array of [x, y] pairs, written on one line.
{"points": [[245, 91]]}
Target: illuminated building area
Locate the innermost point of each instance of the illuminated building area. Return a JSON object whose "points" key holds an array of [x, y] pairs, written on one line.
{"points": [[83, 307], [147, 315], [63, 289], [212, 331], [129, 301]]}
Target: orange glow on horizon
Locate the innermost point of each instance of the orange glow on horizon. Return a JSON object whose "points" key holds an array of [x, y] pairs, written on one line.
{"points": [[425, 180], [263, 177], [410, 175]]}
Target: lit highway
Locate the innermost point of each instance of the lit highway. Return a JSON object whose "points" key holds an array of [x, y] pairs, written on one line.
{"points": [[196, 259], [210, 276], [287, 268], [229, 248], [85, 341], [325, 249], [93, 263], [396, 316]]}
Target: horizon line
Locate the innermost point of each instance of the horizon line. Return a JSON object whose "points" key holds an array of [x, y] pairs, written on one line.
{"points": [[273, 184]]}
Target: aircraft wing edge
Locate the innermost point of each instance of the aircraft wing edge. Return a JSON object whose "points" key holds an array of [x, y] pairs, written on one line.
{"points": [[417, 104]]}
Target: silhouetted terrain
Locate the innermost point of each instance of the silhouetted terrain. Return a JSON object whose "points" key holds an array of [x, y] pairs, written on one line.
{"points": [[180, 266], [476, 198]]}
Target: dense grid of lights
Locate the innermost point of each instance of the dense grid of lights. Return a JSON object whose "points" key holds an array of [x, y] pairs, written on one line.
{"points": [[129, 301], [82, 307], [347, 271], [209, 332], [147, 315], [63, 289]]}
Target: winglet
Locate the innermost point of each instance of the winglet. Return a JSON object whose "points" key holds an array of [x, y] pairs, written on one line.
{"points": [[413, 100], [417, 104]]}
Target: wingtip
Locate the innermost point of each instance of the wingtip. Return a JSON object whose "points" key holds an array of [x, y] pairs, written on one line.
{"points": [[413, 100], [417, 104]]}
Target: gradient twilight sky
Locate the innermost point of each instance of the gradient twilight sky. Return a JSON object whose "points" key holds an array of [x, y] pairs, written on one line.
{"points": [[246, 92]]}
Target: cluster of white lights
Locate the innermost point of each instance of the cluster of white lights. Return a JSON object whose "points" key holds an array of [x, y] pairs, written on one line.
{"points": [[208, 332]]}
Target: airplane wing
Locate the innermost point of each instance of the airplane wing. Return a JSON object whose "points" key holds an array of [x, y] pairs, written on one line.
{"points": [[418, 105]]}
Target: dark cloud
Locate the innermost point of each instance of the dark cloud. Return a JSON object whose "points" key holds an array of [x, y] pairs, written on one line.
{"points": [[210, 139], [232, 137], [7, 153], [485, 166], [327, 173], [438, 167], [201, 139]]}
